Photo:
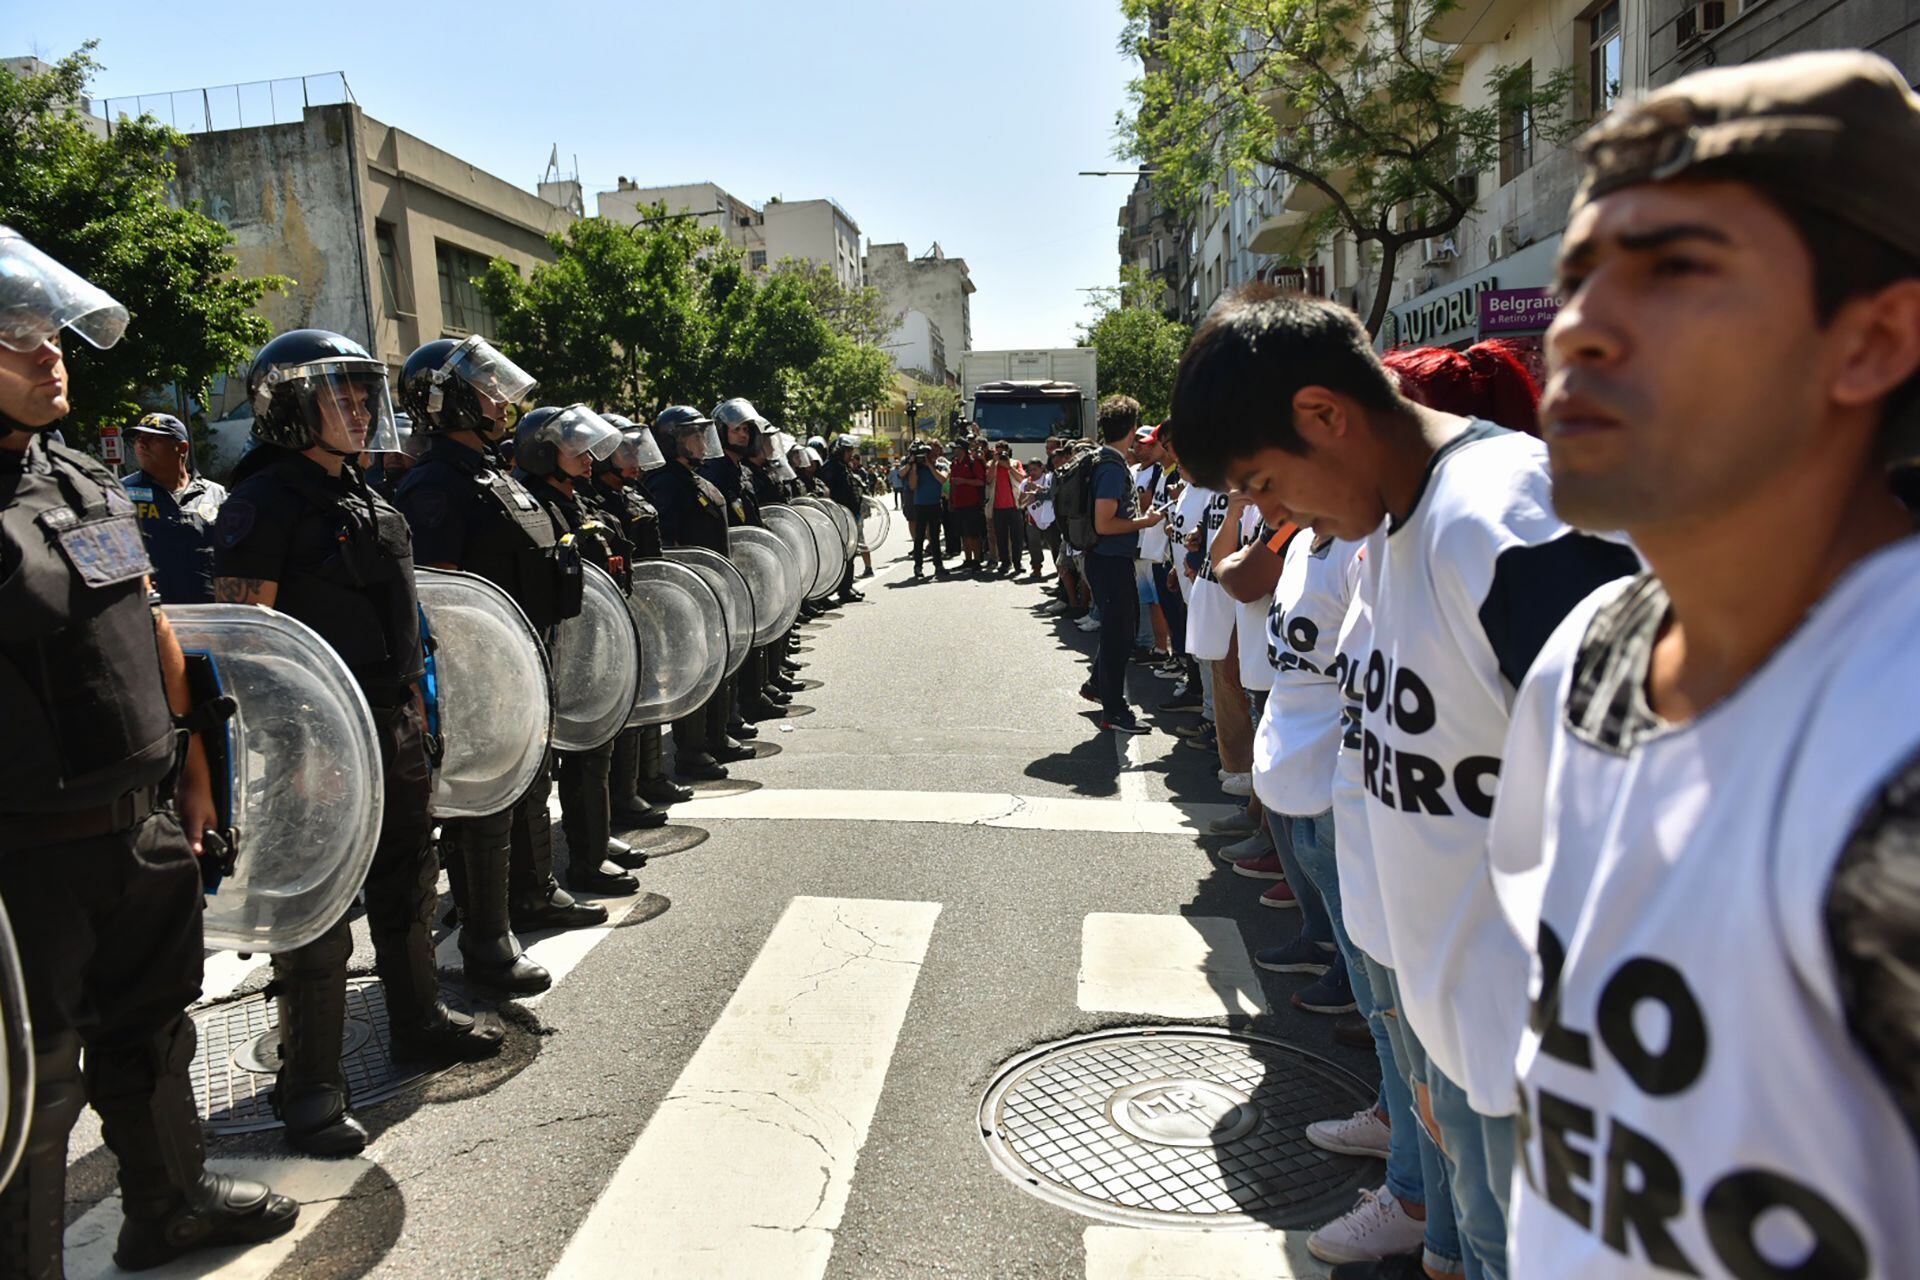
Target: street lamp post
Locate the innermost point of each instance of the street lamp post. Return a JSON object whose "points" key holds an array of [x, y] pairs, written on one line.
{"points": [[913, 419]]}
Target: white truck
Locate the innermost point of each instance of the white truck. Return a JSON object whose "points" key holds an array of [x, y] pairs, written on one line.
{"points": [[1023, 397]]}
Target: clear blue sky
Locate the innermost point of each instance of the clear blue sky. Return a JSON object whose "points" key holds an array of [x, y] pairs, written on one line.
{"points": [[962, 123]]}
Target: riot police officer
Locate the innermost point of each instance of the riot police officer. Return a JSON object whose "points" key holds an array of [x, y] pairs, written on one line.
{"points": [[641, 788], [467, 513], [176, 507], [104, 805], [304, 534], [838, 476], [693, 513], [554, 450]]}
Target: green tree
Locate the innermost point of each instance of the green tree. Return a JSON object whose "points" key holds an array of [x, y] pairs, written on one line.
{"points": [[1139, 348], [1349, 98], [100, 206], [618, 320], [850, 378]]}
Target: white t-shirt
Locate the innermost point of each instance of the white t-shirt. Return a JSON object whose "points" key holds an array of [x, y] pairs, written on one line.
{"points": [[1210, 610], [1691, 1031], [1361, 911], [1041, 512], [1471, 584], [1250, 617], [1152, 481], [1298, 738]]}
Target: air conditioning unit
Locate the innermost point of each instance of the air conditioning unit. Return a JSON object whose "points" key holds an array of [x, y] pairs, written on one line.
{"points": [[1445, 251], [1514, 237], [1698, 21]]}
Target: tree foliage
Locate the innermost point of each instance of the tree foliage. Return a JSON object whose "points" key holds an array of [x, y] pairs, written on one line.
{"points": [[1139, 348], [1346, 97], [635, 318], [101, 207]]}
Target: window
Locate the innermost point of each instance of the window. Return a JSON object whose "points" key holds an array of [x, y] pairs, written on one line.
{"points": [[389, 252], [1516, 123], [1604, 46], [757, 259], [462, 310]]}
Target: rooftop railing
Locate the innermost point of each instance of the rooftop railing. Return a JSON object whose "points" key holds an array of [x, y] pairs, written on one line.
{"points": [[248, 105]]}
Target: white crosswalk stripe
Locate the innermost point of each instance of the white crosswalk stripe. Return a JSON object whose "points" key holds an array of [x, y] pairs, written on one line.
{"points": [[1166, 967]]}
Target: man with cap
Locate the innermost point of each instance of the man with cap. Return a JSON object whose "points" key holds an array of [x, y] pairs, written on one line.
{"points": [[176, 508], [105, 806], [1707, 830]]}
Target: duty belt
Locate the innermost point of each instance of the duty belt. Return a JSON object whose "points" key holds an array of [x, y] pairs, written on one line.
{"points": [[20, 831]]}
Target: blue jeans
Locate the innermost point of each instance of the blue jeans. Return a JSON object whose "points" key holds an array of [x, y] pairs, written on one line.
{"points": [[1315, 924], [1481, 1152], [1404, 1052], [1173, 605], [1206, 691]]}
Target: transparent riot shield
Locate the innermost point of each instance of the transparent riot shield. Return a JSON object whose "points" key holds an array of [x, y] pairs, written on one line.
{"points": [[487, 694], [595, 656], [830, 547], [16, 1060], [876, 522], [723, 578], [683, 641], [772, 571], [790, 525], [296, 772], [843, 521]]}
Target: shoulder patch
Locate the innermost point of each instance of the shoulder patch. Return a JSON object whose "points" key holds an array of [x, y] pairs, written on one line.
{"points": [[140, 492], [427, 506], [235, 522]]}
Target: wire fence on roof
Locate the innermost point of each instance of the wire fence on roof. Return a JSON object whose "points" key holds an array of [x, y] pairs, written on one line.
{"points": [[230, 106]]}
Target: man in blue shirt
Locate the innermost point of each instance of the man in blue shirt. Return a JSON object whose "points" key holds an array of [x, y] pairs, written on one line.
{"points": [[923, 483], [176, 509], [1109, 566]]}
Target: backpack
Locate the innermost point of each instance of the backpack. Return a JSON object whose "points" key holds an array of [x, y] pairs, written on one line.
{"points": [[1073, 496]]}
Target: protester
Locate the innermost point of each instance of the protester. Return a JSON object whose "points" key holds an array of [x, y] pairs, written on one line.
{"points": [[1009, 536], [967, 481], [923, 483], [1109, 565]]}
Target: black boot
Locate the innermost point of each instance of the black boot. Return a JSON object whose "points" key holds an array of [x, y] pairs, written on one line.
{"points": [[622, 854], [630, 809], [761, 708], [731, 751], [492, 955], [310, 1094], [33, 1205], [536, 900], [654, 785], [700, 767], [586, 818], [421, 1025], [173, 1203]]}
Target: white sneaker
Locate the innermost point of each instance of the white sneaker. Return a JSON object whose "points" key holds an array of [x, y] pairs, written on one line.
{"points": [[1364, 1133], [1375, 1228], [1088, 623], [1237, 784], [1256, 845]]}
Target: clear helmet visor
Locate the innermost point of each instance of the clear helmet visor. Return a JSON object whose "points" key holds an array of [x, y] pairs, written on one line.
{"points": [[578, 430], [637, 449], [781, 469], [344, 403], [39, 298], [813, 456], [491, 375], [710, 441]]}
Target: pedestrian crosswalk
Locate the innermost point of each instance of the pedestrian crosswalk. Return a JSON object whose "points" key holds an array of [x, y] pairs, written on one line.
{"points": [[746, 1167]]}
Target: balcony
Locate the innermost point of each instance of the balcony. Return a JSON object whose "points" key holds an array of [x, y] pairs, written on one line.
{"points": [[1304, 197], [1279, 104], [1475, 21], [1284, 234]]}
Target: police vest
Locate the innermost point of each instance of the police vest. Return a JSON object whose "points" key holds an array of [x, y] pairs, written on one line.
{"points": [[81, 692], [639, 522], [511, 543], [1695, 1102]]}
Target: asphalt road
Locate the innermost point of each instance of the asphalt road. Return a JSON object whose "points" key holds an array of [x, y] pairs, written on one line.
{"points": [[948, 799]]}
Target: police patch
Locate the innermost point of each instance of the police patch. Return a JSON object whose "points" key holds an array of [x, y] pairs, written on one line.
{"points": [[235, 522], [427, 507]]}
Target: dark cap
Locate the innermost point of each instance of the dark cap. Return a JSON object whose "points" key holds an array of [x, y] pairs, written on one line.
{"points": [[1838, 132], [162, 424]]}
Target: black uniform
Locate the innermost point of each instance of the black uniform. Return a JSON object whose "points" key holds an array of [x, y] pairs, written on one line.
{"points": [[178, 528], [841, 488], [693, 513], [343, 559], [95, 869], [729, 476], [466, 511], [585, 791]]}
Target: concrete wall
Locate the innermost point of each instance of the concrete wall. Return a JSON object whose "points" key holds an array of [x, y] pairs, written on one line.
{"points": [[1766, 30], [814, 231], [939, 286], [918, 348]]}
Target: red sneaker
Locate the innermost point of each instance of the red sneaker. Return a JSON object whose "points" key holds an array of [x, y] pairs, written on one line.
{"points": [[1281, 895], [1266, 867]]}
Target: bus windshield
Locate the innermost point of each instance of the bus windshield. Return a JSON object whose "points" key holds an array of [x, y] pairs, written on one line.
{"points": [[1028, 421]]}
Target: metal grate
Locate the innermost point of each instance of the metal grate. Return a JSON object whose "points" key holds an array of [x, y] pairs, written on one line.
{"points": [[240, 1051], [1178, 1126]]}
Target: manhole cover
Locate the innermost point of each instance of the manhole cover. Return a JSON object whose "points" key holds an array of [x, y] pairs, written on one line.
{"points": [[1175, 1126], [240, 1046]]}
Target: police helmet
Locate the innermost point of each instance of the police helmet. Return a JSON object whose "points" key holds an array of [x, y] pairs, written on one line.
{"points": [[729, 414], [677, 428], [312, 388], [842, 443], [39, 297], [550, 433], [637, 451], [463, 384]]}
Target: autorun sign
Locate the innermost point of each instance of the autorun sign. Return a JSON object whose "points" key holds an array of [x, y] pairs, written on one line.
{"points": [[1443, 318]]}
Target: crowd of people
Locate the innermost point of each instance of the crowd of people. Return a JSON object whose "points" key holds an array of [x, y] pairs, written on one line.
{"points": [[1579, 725], [111, 821]]}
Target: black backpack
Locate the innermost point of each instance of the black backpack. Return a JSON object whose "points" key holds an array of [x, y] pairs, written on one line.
{"points": [[1073, 496]]}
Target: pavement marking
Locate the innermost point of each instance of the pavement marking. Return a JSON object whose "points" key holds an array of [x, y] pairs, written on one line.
{"points": [[1130, 748], [1130, 1253], [317, 1184], [960, 808], [744, 1168], [558, 952], [1169, 966], [223, 972]]}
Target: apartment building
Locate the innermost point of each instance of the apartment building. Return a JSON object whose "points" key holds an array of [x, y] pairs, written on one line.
{"points": [[817, 231], [932, 295]]}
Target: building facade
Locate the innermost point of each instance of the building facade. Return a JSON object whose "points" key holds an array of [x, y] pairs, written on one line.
{"points": [[817, 231], [932, 285]]}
